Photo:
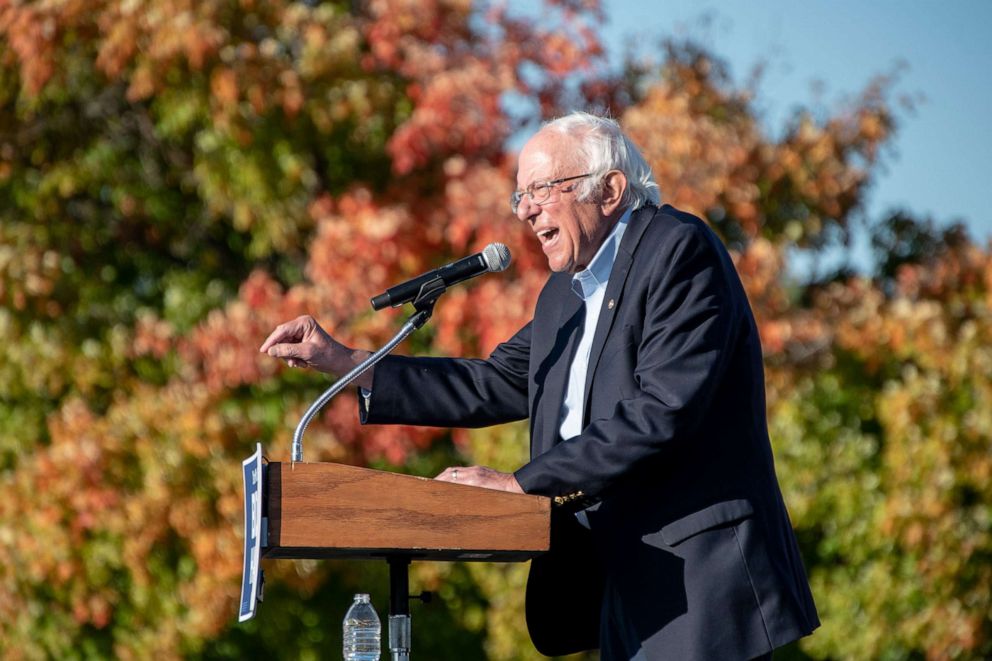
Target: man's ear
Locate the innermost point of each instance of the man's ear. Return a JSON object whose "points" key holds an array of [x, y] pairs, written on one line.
{"points": [[613, 186]]}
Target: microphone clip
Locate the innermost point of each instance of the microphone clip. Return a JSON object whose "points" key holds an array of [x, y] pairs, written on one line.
{"points": [[429, 292]]}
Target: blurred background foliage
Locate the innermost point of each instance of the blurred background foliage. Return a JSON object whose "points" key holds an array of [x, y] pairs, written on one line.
{"points": [[178, 177]]}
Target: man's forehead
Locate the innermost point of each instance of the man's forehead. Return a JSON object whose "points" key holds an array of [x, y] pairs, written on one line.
{"points": [[534, 165], [541, 158]]}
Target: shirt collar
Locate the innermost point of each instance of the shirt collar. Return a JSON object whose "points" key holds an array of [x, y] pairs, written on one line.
{"points": [[586, 282]]}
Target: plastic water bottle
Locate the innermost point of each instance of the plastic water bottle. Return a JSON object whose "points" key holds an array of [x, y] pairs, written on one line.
{"points": [[362, 631]]}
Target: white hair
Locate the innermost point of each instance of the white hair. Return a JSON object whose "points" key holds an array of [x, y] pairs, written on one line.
{"points": [[603, 146]]}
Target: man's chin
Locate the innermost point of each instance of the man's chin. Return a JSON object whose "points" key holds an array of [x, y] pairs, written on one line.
{"points": [[560, 266]]}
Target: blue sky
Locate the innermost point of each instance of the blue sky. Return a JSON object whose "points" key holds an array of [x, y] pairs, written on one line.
{"points": [[942, 161]]}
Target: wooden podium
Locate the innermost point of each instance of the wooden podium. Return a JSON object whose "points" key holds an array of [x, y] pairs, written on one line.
{"points": [[324, 510]]}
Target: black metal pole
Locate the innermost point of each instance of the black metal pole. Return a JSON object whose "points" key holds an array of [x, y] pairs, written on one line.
{"points": [[399, 607], [399, 585]]}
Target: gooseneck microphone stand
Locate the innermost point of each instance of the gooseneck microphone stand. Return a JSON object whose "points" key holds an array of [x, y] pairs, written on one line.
{"points": [[399, 583]]}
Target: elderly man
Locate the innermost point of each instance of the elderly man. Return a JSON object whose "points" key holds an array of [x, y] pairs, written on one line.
{"points": [[642, 377]]}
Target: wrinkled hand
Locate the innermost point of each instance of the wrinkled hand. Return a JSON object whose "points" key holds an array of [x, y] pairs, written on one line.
{"points": [[480, 476], [303, 343]]}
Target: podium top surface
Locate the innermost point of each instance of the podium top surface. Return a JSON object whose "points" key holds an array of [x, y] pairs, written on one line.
{"points": [[325, 510]]}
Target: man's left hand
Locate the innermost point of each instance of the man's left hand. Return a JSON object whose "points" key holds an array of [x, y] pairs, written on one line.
{"points": [[480, 476]]}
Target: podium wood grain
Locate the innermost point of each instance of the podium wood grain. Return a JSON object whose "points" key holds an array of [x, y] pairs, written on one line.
{"points": [[318, 510]]}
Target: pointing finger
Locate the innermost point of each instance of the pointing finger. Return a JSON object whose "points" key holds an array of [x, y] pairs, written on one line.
{"points": [[291, 331], [276, 336]]}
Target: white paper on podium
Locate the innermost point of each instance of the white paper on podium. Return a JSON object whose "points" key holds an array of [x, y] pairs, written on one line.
{"points": [[251, 571]]}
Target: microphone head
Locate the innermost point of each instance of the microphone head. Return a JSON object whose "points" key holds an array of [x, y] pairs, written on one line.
{"points": [[496, 256]]}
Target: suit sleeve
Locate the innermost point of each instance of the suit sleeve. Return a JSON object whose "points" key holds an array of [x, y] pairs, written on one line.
{"points": [[692, 313], [452, 392]]}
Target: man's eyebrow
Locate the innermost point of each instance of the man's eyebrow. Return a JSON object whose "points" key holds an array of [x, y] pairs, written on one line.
{"points": [[535, 182]]}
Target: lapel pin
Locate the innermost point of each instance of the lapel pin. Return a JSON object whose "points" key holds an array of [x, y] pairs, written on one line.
{"points": [[610, 304]]}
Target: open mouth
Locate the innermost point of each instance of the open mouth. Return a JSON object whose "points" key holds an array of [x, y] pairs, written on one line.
{"points": [[548, 235]]}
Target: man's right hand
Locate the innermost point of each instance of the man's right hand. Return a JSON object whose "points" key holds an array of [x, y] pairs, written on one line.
{"points": [[303, 343]]}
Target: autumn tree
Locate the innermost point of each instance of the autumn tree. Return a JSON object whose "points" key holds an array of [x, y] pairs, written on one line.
{"points": [[877, 390], [177, 177]]}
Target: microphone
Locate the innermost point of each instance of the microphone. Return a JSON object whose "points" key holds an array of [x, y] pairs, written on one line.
{"points": [[495, 257]]}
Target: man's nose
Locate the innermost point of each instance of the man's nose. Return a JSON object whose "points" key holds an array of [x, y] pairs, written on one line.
{"points": [[528, 209]]}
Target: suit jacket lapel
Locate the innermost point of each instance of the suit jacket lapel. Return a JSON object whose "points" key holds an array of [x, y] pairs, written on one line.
{"points": [[614, 289], [555, 367]]}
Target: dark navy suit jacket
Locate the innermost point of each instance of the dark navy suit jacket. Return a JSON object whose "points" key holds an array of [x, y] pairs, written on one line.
{"points": [[688, 533]]}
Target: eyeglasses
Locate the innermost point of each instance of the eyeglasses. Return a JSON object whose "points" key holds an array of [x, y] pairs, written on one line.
{"points": [[540, 191]]}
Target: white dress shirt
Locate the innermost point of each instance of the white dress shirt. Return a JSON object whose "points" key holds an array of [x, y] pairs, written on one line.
{"points": [[590, 286]]}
